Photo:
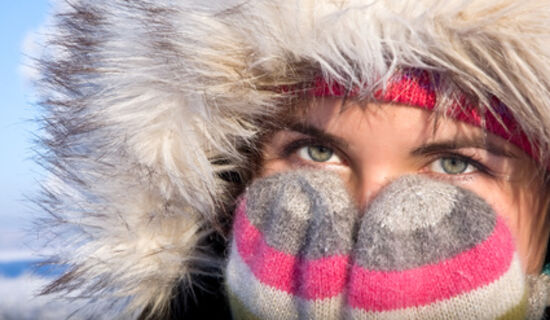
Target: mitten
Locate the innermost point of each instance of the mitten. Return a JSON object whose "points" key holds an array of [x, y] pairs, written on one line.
{"points": [[292, 238], [431, 250]]}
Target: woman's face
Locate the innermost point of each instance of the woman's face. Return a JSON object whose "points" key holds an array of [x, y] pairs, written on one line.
{"points": [[369, 146]]}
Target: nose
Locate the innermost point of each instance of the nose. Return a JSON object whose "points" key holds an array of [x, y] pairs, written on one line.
{"points": [[374, 176], [372, 180]]}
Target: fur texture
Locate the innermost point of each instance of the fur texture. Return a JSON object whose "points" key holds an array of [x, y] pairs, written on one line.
{"points": [[147, 102]]}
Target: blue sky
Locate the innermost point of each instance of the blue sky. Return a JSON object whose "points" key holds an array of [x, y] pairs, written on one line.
{"points": [[18, 174], [20, 21]]}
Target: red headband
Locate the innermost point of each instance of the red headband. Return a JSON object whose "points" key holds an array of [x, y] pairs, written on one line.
{"points": [[415, 88]]}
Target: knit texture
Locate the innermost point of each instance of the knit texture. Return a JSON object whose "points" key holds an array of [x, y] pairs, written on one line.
{"points": [[423, 249]]}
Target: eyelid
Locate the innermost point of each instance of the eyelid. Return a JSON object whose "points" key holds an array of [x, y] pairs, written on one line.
{"points": [[295, 144], [451, 146]]}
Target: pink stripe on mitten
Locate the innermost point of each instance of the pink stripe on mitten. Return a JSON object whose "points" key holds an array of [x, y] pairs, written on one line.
{"points": [[481, 265], [319, 278]]}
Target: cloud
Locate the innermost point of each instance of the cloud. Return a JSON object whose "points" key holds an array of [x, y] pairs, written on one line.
{"points": [[35, 43], [16, 254], [31, 48], [19, 243]]}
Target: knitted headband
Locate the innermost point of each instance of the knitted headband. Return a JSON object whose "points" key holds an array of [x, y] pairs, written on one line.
{"points": [[415, 88]]}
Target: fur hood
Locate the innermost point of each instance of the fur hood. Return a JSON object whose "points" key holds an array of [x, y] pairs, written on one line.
{"points": [[149, 104]]}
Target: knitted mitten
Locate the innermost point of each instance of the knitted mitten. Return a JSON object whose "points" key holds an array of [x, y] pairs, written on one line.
{"points": [[422, 250], [292, 238], [430, 250]]}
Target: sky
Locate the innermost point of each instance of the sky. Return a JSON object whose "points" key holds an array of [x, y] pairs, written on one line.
{"points": [[20, 22]]}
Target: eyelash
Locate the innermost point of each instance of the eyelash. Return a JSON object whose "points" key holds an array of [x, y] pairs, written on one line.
{"points": [[292, 147]]}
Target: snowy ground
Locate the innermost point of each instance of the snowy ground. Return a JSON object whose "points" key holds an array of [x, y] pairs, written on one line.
{"points": [[19, 300], [20, 283]]}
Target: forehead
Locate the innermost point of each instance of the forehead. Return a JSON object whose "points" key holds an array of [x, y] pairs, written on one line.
{"points": [[357, 120]]}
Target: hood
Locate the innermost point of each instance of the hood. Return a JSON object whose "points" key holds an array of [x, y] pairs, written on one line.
{"points": [[149, 104]]}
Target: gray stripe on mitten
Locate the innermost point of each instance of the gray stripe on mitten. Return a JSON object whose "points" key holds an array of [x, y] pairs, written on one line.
{"points": [[307, 212], [415, 221]]}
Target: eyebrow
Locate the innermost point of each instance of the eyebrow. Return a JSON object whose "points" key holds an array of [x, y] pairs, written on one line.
{"points": [[318, 133], [436, 147], [425, 149]]}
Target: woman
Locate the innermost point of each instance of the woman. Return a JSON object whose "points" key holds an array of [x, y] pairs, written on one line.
{"points": [[159, 115]]}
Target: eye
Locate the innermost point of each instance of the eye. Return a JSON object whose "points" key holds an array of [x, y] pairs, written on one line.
{"points": [[452, 165], [318, 153]]}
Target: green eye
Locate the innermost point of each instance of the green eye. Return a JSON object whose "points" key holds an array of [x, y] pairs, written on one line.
{"points": [[319, 153], [453, 165]]}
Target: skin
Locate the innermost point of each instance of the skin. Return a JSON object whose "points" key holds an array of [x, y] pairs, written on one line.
{"points": [[371, 145]]}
